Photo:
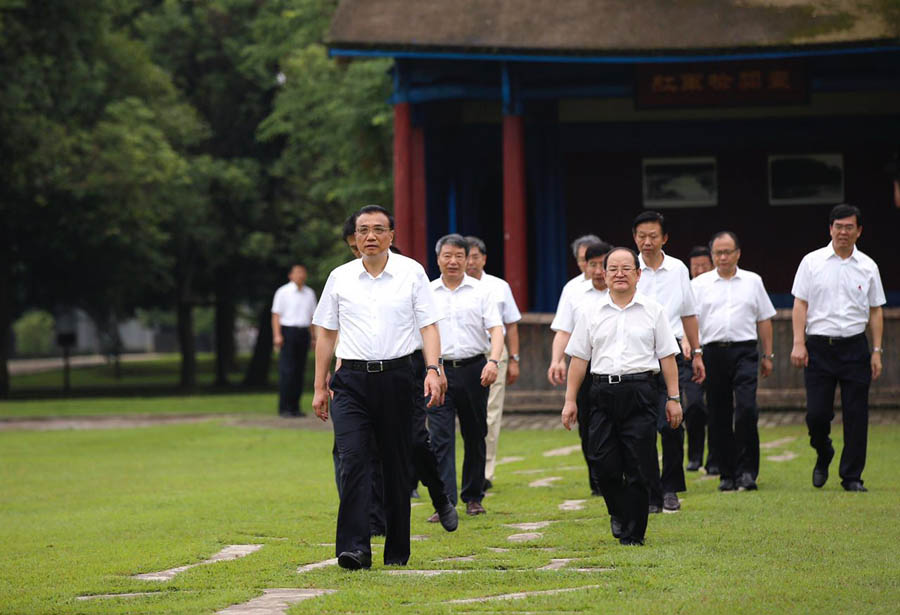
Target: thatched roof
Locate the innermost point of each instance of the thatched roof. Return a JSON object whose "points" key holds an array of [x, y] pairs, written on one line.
{"points": [[610, 26]]}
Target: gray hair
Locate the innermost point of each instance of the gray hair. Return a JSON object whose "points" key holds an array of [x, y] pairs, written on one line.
{"points": [[477, 242], [581, 241], [454, 239]]}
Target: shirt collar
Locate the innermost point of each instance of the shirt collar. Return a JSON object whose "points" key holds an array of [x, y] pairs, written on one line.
{"points": [[831, 251], [638, 298], [737, 274], [466, 281], [666, 261], [390, 268]]}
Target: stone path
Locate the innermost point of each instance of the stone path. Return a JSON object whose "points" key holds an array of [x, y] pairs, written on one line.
{"points": [[572, 505], [228, 553], [275, 601], [544, 482], [107, 596], [518, 595]]}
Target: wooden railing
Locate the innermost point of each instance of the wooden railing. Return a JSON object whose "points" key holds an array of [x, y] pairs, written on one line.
{"points": [[783, 389]]}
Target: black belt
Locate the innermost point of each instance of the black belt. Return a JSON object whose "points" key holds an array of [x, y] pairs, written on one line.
{"points": [[834, 341], [461, 362], [615, 379], [730, 344], [375, 367]]}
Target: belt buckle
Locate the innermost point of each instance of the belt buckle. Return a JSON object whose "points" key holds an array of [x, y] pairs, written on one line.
{"points": [[617, 380], [377, 364], [831, 340], [455, 362]]}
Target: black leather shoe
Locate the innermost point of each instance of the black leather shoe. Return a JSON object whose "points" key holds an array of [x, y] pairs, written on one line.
{"points": [[820, 472], [693, 466], [487, 484], [671, 502], [616, 526], [713, 470], [726, 484], [354, 560], [448, 517], [631, 542], [745, 482], [854, 485]]}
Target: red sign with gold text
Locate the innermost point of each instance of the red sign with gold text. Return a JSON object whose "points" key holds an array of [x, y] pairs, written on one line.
{"points": [[724, 84]]}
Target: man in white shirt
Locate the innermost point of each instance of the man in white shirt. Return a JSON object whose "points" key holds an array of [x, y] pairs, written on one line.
{"points": [[627, 339], [666, 279], [292, 311], [508, 371], [695, 412], [470, 329], [578, 248], [376, 303], [734, 310], [837, 291], [583, 297]]}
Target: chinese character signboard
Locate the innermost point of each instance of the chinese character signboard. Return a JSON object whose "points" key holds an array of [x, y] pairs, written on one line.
{"points": [[724, 84]]}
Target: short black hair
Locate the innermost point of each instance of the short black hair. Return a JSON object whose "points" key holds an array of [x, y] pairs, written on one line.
{"points": [[476, 242], [395, 249], [637, 263], [350, 226], [375, 209], [700, 251], [595, 249], [844, 210], [454, 239], [737, 243], [649, 216]]}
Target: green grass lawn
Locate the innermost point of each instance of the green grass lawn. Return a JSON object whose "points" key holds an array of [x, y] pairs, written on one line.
{"points": [[82, 511]]}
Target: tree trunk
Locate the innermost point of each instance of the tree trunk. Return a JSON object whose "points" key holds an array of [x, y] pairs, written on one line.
{"points": [[186, 343], [225, 317], [258, 370]]}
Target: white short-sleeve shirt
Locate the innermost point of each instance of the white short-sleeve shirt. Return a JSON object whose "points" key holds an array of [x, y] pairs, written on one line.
{"points": [[670, 285], [730, 308], [571, 284], [620, 341], [469, 311], [582, 297], [294, 306], [509, 311], [378, 318], [839, 291]]}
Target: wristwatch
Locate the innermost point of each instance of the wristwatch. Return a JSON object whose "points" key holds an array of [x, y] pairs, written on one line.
{"points": [[673, 398], [771, 355], [436, 369], [514, 357], [495, 362], [878, 349], [697, 351]]}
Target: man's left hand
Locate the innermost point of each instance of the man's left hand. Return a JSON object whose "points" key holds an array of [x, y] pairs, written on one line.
{"points": [[673, 414], [699, 369], [512, 371], [876, 365], [433, 389], [489, 374], [766, 367]]}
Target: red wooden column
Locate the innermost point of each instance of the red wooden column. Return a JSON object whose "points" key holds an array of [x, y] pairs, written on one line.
{"points": [[515, 228], [403, 176], [418, 239]]}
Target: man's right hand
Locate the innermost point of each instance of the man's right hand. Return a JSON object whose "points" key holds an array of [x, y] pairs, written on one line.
{"points": [[799, 355], [277, 341], [569, 415], [434, 389], [320, 403], [556, 373]]}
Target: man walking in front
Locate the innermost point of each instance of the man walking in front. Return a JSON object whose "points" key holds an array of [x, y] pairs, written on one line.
{"points": [[292, 311], [837, 291], [376, 303], [471, 328], [733, 308], [627, 339]]}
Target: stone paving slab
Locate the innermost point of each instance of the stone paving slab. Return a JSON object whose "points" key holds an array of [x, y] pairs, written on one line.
{"points": [[519, 595], [107, 596], [274, 601], [229, 553]]}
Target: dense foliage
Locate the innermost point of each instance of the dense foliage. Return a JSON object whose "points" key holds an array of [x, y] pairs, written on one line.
{"points": [[165, 153]]}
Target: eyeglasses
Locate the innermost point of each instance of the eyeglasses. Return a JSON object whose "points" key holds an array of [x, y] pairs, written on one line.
{"points": [[615, 270], [844, 227], [719, 253], [364, 231]]}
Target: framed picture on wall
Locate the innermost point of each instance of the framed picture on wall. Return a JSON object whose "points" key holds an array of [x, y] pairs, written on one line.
{"points": [[806, 179], [680, 182]]}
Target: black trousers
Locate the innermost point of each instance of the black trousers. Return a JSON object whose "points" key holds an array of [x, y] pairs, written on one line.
{"points": [[376, 512], [621, 427], [845, 362], [291, 368], [583, 406], [671, 478], [696, 418], [371, 407], [731, 381], [466, 399], [424, 465]]}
